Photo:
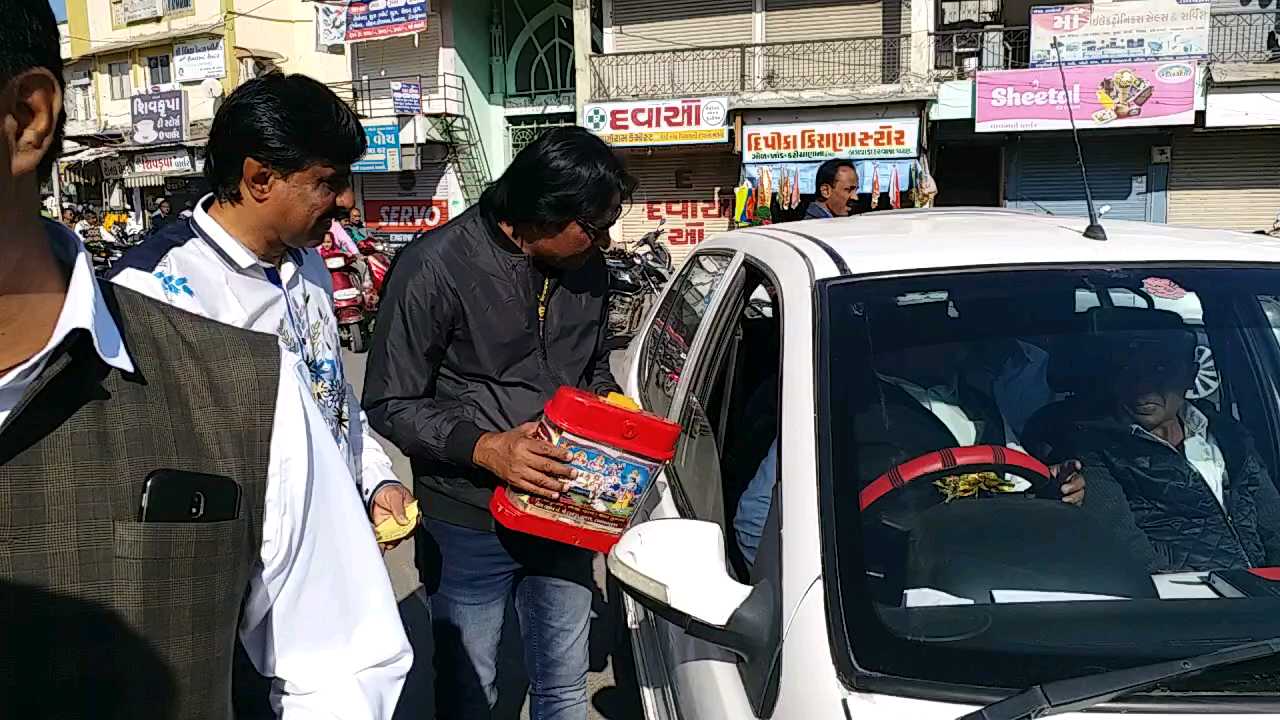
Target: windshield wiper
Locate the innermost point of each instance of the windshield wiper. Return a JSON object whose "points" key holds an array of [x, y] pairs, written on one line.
{"points": [[1073, 694]]}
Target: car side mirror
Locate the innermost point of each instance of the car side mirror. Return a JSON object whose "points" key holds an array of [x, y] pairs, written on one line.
{"points": [[677, 569]]}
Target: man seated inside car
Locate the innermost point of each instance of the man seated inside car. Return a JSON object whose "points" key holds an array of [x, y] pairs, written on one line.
{"points": [[925, 399], [1182, 482]]}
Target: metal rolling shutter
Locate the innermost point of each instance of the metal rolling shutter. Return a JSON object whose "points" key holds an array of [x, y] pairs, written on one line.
{"points": [[1044, 176], [1225, 180], [398, 58], [431, 181], [787, 20], [693, 214], [672, 24]]}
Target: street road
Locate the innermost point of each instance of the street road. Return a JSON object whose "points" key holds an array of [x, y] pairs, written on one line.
{"points": [[610, 697]]}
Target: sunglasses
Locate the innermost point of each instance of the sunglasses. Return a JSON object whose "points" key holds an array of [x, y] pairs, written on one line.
{"points": [[595, 229]]}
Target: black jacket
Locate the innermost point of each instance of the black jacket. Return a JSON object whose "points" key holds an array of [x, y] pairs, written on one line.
{"points": [[1164, 507], [457, 352]]}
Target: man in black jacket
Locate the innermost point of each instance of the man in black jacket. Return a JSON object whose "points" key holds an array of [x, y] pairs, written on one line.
{"points": [[1180, 481], [481, 322]]}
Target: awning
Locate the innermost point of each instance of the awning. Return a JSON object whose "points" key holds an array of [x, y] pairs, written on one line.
{"points": [[247, 52], [1244, 73], [144, 180], [87, 155], [142, 41]]}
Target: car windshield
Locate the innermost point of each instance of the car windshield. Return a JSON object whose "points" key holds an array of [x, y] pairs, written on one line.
{"points": [[956, 407]]}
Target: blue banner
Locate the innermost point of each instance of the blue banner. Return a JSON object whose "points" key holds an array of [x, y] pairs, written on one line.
{"points": [[383, 154], [406, 97]]}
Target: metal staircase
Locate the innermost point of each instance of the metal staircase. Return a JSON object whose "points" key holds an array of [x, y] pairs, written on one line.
{"points": [[457, 128]]}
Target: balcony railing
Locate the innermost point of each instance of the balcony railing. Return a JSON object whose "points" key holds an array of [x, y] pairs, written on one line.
{"points": [[958, 54], [1245, 37], [845, 64], [441, 94]]}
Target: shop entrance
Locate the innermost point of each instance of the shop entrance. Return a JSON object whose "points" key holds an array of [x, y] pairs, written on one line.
{"points": [[968, 175]]}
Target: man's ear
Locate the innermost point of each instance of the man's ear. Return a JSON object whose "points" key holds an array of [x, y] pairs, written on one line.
{"points": [[257, 179], [34, 106], [824, 192]]}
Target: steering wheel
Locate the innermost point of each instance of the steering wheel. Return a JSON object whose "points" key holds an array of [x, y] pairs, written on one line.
{"points": [[960, 461]]}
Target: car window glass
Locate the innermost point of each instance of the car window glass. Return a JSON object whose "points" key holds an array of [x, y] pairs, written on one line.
{"points": [[949, 401], [669, 338]]}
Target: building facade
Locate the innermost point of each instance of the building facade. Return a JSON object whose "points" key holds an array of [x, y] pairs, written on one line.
{"points": [[145, 77], [801, 81]]}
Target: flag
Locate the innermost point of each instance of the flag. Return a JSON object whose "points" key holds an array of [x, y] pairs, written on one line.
{"points": [[895, 200], [875, 185]]}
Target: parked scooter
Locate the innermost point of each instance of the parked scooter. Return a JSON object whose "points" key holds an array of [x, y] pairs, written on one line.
{"points": [[379, 263], [350, 302], [636, 277]]}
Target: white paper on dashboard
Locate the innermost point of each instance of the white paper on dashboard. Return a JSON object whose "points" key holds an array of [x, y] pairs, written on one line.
{"points": [[1030, 596], [928, 597]]}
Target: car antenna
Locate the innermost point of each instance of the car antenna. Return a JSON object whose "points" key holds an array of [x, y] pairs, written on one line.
{"points": [[1093, 230]]}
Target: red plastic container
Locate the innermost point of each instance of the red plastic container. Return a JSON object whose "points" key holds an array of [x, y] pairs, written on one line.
{"points": [[617, 453]]}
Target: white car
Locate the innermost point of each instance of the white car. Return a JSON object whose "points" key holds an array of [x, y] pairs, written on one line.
{"points": [[913, 560]]}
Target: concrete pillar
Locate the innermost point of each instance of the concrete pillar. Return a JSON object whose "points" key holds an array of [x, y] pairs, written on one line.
{"points": [[581, 55], [922, 24]]}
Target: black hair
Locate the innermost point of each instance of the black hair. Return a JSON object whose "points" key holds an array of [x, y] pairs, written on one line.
{"points": [[828, 170], [565, 174], [29, 39], [287, 122]]}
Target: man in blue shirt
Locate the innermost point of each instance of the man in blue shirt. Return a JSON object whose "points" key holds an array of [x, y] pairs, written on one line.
{"points": [[836, 187]]}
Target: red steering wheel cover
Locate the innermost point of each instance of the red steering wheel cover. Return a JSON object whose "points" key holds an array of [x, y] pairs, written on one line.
{"points": [[952, 461]]}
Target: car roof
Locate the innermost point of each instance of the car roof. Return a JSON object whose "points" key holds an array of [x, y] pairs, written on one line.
{"points": [[936, 238]]}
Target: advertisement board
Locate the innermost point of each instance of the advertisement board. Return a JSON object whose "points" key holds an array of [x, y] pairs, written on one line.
{"points": [[135, 10], [406, 97], [817, 141], [198, 60], [375, 19], [1113, 32], [1098, 96], [406, 215], [163, 162], [159, 117], [685, 121], [383, 154]]}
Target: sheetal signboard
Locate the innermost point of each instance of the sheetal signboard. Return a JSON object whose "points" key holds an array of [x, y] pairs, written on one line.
{"points": [[1098, 96], [686, 121]]}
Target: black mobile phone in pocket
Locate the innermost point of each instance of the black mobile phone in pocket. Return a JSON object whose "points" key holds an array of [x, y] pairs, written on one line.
{"points": [[189, 497]]}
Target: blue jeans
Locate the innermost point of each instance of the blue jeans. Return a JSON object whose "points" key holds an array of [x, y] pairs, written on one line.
{"points": [[551, 583]]}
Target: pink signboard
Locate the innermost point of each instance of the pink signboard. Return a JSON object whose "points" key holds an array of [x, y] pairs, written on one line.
{"points": [[1100, 96]]}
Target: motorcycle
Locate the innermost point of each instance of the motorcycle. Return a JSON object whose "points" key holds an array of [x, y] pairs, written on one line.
{"points": [[375, 257], [351, 305], [636, 277]]}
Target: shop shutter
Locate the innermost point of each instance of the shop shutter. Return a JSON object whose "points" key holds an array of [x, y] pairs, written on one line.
{"points": [[788, 20], [693, 213], [1225, 179], [396, 58], [1044, 175], [641, 25]]}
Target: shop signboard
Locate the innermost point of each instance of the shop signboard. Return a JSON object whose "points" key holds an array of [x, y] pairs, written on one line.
{"points": [[376, 19], [383, 154], [331, 25], [114, 166], [687, 221], [198, 60], [817, 141], [687, 121], [406, 97], [406, 215], [1248, 106], [159, 117], [1113, 32], [135, 10], [163, 162], [1097, 96]]}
